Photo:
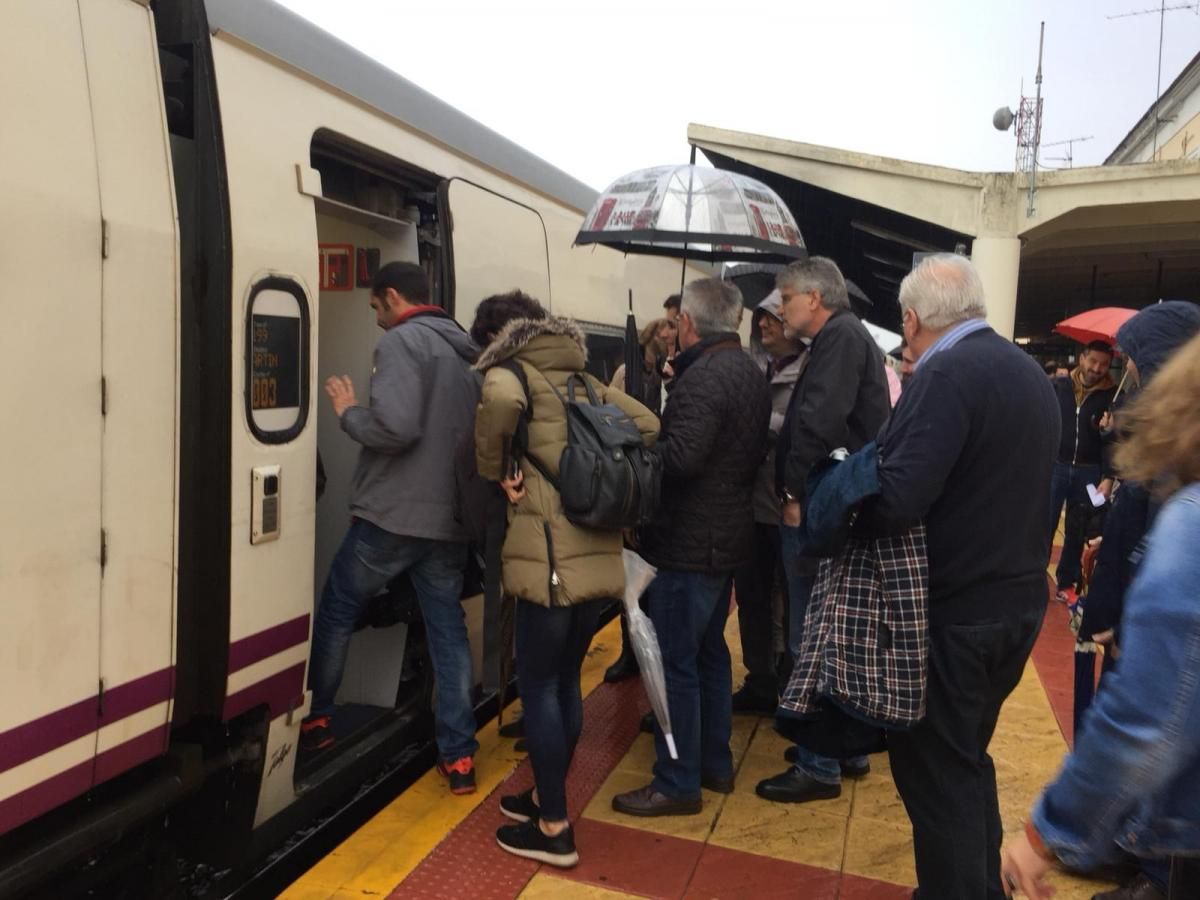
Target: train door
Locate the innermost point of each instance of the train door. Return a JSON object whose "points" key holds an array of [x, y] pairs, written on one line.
{"points": [[492, 245], [50, 365], [495, 245], [140, 291]]}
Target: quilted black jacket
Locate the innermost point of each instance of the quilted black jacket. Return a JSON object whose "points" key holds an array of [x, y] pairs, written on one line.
{"points": [[713, 439]]}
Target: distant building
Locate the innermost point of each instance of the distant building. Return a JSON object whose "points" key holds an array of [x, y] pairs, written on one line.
{"points": [[1178, 120]]}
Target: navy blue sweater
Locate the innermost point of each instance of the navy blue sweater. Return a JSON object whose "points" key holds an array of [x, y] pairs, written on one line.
{"points": [[970, 449]]}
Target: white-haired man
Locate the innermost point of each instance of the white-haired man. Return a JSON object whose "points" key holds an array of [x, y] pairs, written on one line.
{"points": [[970, 450], [713, 439]]}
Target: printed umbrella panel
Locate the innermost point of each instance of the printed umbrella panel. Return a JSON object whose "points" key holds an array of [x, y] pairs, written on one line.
{"points": [[694, 212]]}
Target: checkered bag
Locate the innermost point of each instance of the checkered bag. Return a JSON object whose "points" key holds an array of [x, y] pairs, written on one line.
{"points": [[866, 636]]}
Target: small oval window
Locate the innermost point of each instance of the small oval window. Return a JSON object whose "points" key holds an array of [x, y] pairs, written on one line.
{"points": [[277, 360]]}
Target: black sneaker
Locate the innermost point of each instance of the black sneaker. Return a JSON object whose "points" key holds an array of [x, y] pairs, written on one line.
{"points": [[514, 728], [315, 734], [461, 774], [520, 807], [527, 840]]}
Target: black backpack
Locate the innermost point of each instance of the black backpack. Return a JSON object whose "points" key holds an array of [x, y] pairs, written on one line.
{"points": [[607, 479]]}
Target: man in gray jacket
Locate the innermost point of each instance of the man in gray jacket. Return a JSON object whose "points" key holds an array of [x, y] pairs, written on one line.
{"points": [[782, 358], [422, 402]]}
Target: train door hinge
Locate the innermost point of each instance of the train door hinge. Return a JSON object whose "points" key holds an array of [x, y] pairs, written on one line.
{"points": [[104, 236], [103, 396], [103, 549]]}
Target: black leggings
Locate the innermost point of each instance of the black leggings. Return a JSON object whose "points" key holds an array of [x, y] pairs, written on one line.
{"points": [[551, 645]]}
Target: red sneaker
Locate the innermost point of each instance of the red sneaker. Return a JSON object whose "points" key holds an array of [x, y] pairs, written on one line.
{"points": [[461, 774], [315, 734], [1067, 595]]}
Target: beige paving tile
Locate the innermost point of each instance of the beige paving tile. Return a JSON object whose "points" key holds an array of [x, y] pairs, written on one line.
{"points": [[876, 797], [797, 832], [880, 849]]}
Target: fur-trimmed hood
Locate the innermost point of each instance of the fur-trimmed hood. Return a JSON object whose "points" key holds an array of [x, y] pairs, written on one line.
{"points": [[517, 334]]}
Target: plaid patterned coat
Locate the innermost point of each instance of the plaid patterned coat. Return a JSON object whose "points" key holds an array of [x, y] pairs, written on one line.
{"points": [[866, 638]]}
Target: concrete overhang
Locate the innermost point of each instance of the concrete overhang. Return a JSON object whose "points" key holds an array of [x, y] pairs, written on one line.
{"points": [[1101, 235]]}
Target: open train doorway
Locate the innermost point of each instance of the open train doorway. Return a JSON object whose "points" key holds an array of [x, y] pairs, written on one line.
{"points": [[371, 212]]}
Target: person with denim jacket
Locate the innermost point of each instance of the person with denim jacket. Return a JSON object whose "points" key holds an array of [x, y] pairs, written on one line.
{"points": [[1132, 783]]}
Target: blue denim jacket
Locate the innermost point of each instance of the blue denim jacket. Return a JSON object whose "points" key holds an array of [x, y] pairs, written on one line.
{"points": [[1133, 779]]}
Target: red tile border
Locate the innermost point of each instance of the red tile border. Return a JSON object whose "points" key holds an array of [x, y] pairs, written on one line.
{"points": [[1054, 660], [620, 858], [610, 724], [724, 874], [855, 887]]}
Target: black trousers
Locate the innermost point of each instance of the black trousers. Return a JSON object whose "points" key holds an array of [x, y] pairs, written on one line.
{"points": [[942, 768], [754, 583]]}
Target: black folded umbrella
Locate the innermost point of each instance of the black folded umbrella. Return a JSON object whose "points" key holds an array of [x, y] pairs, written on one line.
{"points": [[634, 385]]}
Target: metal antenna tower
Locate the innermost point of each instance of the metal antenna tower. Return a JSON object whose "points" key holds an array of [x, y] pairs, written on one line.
{"points": [[1029, 129], [1162, 11]]}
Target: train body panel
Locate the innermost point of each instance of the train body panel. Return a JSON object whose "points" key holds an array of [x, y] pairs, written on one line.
{"points": [[184, 207]]}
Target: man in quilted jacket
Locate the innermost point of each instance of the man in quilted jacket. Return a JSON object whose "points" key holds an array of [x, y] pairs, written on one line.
{"points": [[713, 439]]}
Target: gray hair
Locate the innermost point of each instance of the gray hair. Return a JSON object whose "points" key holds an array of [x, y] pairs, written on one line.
{"points": [[820, 274], [943, 290], [713, 305]]}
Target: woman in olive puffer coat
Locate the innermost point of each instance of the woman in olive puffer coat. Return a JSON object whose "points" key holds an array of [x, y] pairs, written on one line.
{"points": [[557, 571]]}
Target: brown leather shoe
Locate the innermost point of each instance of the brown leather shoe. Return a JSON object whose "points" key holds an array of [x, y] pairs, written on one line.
{"points": [[647, 803]]}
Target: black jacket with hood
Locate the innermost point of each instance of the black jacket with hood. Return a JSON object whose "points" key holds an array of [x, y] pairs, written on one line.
{"points": [[1149, 339]]}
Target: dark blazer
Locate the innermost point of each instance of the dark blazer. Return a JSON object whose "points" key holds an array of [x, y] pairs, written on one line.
{"points": [[713, 439]]}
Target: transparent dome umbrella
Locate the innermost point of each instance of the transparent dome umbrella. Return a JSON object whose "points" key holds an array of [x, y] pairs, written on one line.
{"points": [[693, 212]]}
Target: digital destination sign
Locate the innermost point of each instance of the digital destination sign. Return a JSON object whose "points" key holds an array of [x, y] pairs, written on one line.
{"points": [[275, 362]]}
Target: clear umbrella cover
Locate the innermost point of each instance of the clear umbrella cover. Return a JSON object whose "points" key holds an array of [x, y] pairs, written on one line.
{"points": [[693, 211], [638, 575]]}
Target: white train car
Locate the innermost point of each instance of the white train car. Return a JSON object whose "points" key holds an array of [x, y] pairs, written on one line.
{"points": [[193, 197]]}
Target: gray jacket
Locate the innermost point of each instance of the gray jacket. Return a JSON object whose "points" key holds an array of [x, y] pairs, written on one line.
{"points": [[783, 382], [423, 400]]}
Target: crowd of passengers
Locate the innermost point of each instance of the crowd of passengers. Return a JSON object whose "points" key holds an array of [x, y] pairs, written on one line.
{"points": [[887, 547]]}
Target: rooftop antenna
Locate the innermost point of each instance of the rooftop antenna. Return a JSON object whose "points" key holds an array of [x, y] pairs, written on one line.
{"points": [[1070, 143], [1162, 11], [1029, 127]]}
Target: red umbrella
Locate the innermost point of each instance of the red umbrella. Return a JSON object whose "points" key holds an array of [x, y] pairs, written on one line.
{"points": [[1095, 324]]}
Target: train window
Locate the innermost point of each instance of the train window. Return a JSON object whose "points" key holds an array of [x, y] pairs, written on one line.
{"points": [[606, 350], [277, 370]]}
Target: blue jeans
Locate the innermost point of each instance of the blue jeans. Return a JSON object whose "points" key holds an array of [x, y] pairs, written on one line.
{"points": [[819, 768], [688, 610], [367, 560], [1069, 485], [551, 644]]}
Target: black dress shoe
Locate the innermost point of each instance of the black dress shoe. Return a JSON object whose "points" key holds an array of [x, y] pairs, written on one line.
{"points": [[626, 666], [793, 786], [853, 770], [521, 746], [1141, 888], [792, 755], [513, 728], [716, 784], [647, 723], [648, 803], [752, 702]]}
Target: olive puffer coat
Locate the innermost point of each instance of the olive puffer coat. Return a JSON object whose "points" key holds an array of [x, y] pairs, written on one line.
{"points": [[546, 559]]}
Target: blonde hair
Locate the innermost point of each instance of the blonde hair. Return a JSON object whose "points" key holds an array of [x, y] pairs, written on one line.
{"points": [[1162, 448]]}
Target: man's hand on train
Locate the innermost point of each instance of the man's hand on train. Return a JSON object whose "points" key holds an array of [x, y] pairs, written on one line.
{"points": [[341, 391]]}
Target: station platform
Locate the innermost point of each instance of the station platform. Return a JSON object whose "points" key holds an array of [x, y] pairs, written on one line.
{"points": [[430, 844]]}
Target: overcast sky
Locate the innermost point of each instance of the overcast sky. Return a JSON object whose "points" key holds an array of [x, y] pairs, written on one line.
{"points": [[604, 87]]}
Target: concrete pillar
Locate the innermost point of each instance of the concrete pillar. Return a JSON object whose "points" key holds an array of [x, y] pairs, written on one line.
{"points": [[998, 261]]}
